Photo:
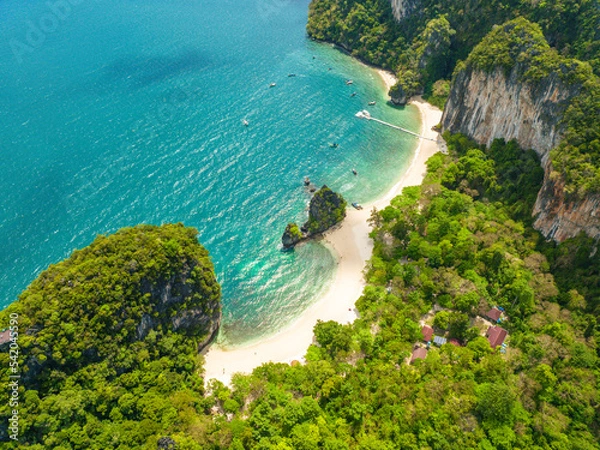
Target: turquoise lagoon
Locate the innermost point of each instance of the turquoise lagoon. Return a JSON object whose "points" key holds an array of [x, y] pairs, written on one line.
{"points": [[116, 113]]}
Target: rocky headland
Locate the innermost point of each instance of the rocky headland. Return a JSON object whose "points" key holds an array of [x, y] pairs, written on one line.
{"points": [[508, 89], [121, 294], [326, 209]]}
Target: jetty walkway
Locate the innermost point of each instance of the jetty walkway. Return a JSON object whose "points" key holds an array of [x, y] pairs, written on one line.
{"points": [[364, 114]]}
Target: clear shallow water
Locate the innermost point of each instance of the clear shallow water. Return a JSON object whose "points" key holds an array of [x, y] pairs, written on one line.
{"points": [[131, 112]]}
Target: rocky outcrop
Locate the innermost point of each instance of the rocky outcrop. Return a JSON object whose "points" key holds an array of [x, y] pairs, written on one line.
{"points": [[291, 236], [326, 209], [203, 319], [398, 95], [404, 8], [166, 443], [559, 219], [107, 297], [487, 106]]}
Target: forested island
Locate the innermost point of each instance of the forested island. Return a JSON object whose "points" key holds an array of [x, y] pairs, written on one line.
{"points": [[110, 337], [326, 209]]}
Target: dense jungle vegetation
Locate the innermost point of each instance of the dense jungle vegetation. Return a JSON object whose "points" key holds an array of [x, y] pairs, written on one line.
{"points": [[461, 241], [108, 361], [368, 29], [108, 353]]}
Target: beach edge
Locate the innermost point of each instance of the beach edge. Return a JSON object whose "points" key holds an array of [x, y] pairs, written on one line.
{"points": [[351, 246]]}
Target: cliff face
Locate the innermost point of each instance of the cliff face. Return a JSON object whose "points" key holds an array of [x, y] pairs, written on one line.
{"points": [[326, 209], [169, 298], [486, 106], [558, 219], [404, 8], [489, 106]]}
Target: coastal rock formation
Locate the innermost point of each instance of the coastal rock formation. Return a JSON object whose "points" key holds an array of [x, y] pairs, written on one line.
{"points": [[523, 100], [326, 209], [291, 236], [398, 95], [487, 106], [134, 286]]}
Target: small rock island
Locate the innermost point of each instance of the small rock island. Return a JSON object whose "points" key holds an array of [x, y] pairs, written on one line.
{"points": [[327, 208]]}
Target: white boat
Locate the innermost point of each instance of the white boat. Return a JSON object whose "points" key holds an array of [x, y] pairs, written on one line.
{"points": [[245, 122], [372, 103], [349, 82], [272, 85]]}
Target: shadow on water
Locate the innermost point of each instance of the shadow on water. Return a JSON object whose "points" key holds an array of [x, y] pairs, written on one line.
{"points": [[397, 107], [140, 72]]}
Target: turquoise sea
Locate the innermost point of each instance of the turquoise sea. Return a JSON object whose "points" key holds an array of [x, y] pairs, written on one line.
{"points": [[114, 113]]}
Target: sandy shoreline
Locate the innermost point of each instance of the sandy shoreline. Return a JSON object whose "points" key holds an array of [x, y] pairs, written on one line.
{"points": [[351, 245]]}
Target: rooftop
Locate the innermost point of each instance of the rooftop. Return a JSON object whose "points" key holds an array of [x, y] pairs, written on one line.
{"points": [[494, 314], [496, 336], [439, 340], [4, 336], [427, 333], [418, 353]]}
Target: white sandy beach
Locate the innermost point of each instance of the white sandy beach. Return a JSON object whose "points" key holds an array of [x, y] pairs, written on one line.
{"points": [[352, 246]]}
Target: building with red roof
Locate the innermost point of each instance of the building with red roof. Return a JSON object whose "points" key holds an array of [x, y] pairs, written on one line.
{"points": [[496, 336], [418, 353], [494, 314], [427, 333]]}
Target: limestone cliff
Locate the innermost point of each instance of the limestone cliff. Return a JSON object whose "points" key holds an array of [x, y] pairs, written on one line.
{"points": [[326, 209], [559, 219], [505, 95], [404, 8], [487, 106]]}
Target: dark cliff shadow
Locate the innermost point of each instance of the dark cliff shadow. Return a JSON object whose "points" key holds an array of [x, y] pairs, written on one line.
{"points": [[139, 71]]}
